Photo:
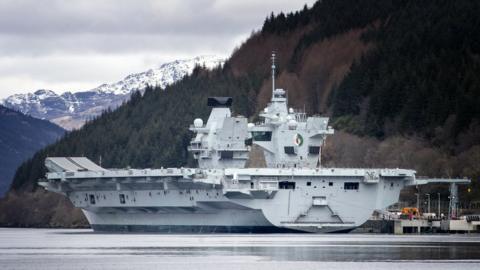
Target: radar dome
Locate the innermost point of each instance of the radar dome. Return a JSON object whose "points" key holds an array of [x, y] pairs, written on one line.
{"points": [[198, 123], [250, 125], [292, 124]]}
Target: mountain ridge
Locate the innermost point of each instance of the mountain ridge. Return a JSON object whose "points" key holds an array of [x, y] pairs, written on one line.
{"points": [[72, 109]]}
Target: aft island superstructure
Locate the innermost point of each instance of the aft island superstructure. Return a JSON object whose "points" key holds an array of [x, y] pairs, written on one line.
{"points": [[291, 193]]}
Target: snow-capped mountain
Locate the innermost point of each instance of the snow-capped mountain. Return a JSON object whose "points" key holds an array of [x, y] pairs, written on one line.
{"points": [[166, 74], [71, 110]]}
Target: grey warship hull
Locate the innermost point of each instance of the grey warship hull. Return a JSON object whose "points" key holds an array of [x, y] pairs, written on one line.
{"points": [[192, 200]]}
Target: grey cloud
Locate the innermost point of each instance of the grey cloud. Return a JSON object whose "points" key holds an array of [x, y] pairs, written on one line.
{"points": [[42, 27], [120, 16], [111, 44], [73, 43]]}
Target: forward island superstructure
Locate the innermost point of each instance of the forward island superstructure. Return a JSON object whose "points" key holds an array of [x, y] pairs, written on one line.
{"points": [[291, 193]]}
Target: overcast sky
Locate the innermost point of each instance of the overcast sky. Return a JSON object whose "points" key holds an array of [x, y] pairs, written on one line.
{"points": [[77, 45]]}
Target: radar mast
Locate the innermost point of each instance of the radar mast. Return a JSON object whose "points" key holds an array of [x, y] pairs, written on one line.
{"points": [[273, 72]]}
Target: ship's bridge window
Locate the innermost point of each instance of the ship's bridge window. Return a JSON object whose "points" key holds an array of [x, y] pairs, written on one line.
{"points": [[92, 199], [226, 154], [262, 136], [314, 150], [290, 150], [122, 198], [350, 185], [286, 185]]}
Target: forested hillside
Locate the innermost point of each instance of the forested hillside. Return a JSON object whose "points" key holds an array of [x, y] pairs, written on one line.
{"points": [[423, 77], [20, 137], [399, 78]]}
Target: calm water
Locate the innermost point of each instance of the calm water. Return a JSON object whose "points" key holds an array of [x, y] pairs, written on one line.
{"points": [[83, 249]]}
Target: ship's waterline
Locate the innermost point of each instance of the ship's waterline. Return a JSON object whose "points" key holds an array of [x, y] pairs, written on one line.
{"points": [[223, 221]]}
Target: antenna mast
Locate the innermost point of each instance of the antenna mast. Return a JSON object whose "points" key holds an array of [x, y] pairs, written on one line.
{"points": [[273, 72]]}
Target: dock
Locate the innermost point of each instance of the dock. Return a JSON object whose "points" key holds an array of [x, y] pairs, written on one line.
{"points": [[436, 226]]}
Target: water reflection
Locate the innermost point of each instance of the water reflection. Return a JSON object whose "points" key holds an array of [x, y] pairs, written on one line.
{"points": [[83, 249], [321, 253]]}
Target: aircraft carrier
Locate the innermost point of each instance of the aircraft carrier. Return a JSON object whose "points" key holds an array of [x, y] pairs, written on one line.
{"points": [[291, 193]]}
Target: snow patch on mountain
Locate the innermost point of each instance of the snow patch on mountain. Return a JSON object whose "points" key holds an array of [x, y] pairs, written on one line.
{"points": [[162, 76]]}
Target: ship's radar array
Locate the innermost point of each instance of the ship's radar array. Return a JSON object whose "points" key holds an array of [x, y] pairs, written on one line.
{"points": [[293, 192]]}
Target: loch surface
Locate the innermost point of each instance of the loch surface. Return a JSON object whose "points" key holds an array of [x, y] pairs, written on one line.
{"points": [[84, 249]]}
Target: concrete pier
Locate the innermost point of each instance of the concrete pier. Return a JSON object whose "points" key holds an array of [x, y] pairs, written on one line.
{"points": [[402, 226]]}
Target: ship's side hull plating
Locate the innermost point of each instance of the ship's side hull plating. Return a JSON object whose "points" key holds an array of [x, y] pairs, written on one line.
{"points": [[191, 223], [223, 221]]}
